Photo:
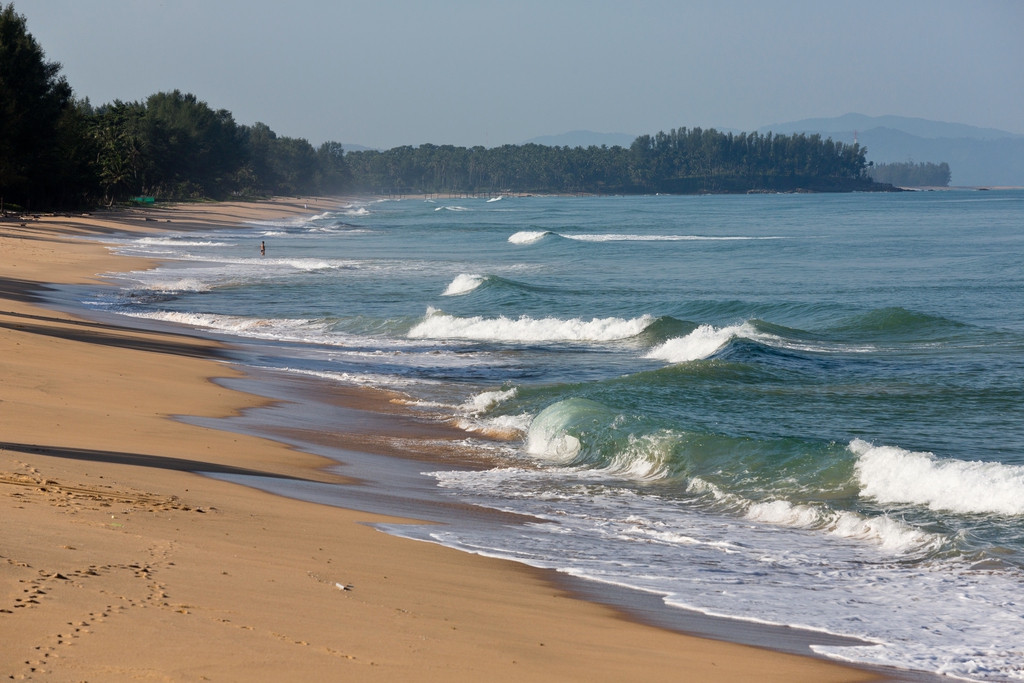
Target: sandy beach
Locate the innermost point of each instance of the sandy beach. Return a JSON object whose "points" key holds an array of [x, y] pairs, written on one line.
{"points": [[118, 563]]}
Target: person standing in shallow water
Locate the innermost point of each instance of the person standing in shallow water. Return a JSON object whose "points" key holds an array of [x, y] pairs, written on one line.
{"points": [[263, 248]]}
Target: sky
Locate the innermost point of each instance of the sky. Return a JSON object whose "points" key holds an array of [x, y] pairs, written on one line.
{"points": [[387, 73]]}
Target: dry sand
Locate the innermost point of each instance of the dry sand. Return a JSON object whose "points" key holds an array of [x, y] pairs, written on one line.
{"points": [[118, 564]]}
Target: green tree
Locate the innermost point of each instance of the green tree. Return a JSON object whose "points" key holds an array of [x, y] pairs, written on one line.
{"points": [[334, 175], [121, 159], [34, 98], [195, 150]]}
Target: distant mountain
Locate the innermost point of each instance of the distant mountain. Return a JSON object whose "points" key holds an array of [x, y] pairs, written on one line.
{"points": [[971, 161], [976, 156], [583, 138], [922, 128]]}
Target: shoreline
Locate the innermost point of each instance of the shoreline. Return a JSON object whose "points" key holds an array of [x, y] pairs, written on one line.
{"points": [[82, 448]]}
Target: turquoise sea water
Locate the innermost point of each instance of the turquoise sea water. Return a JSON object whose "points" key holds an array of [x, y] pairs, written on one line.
{"points": [[799, 409]]}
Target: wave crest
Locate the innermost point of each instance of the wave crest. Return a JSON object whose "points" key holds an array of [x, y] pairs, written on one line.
{"points": [[891, 534], [616, 237], [463, 284], [528, 236], [438, 325], [701, 343], [894, 475], [484, 401]]}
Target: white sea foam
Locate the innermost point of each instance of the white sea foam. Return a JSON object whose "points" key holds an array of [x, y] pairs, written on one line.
{"points": [[224, 272], [463, 284], [281, 223], [616, 237], [336, 230], [940, 616], [451, 208], [494, 199], [549, 439], [531, 236], [258, 327], [644, 458], [177, 242], [303, 221], [266, 265], [894, 475], [891, 534], [309, 331], [701, 343], [438, 325], [705, 340], [185, 284], [484, 401], [641, 458], [363, 379], [504, 427], [784, 513], [552, 444], [528, 236], [311, 263]]}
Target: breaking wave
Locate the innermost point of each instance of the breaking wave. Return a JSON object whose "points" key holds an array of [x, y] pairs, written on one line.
{"points": [[463, 284], [502, 427], [528, 236], [615, 237], [893, 475], [439, 325], [185, 284], [280, 329], [484, 401], [890, 534], [175, 242], [531, 236], [701, 343]]}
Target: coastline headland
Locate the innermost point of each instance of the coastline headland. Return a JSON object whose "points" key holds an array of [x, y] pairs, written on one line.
{"points": [[119, 561], [682, 161]]}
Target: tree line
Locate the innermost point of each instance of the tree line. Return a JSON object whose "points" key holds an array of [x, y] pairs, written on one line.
{"points": [[684, 160], [909, 174], [58, 151]]}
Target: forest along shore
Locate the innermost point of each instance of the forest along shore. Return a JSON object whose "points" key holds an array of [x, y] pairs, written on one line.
{"points": [[118, 561]]}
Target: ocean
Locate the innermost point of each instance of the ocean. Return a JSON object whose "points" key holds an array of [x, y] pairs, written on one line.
{"points": [[803, 410]]}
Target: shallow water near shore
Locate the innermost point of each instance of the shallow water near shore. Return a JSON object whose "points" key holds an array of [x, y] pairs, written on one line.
{"points": [[804, 410]]}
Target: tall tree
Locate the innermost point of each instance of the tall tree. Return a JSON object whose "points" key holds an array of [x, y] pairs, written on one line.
{"points": [[33, 99]]}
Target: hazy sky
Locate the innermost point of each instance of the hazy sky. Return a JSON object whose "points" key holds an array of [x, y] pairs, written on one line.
{"points": [[387, 73]]}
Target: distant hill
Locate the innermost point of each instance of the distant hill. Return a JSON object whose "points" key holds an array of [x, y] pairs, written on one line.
{"points": [[352, 147], [922, 128], [976, 156], [583, 138], [971, 161]]}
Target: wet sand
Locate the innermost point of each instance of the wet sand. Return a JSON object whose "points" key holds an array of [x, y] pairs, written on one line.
{"points": [[118, 562]]}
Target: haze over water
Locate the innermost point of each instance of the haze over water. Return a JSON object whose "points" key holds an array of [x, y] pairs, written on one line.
{"points": [[799, 409]]}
